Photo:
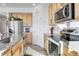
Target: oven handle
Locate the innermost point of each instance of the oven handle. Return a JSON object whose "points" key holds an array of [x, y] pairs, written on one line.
{"points": [[64, 12]]}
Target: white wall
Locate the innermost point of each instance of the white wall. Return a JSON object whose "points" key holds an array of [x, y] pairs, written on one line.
{"points": [[39, 21], [40, 24], [3, 26], [74, 24], [15, 9]]}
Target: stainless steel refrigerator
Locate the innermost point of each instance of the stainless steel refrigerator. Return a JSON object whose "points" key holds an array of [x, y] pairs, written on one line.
{"points": [[17, 29]]}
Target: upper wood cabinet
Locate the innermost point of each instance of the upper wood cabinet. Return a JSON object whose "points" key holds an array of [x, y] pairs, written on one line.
{"points": [[50, 14], [25, 21], [26, 18], [29, 19], [19, 15], [52, 8]]}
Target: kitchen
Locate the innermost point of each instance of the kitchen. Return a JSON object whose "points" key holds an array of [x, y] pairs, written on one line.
{"points": [[28, 29]]}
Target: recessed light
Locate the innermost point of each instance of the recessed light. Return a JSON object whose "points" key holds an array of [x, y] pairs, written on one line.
{"points": [[3, 4], [33, 4]]}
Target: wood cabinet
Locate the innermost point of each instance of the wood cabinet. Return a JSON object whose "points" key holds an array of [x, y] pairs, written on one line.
{"points": [[29, 19], [49, 15], [15, 50], [46, 43], [65, 51], [26, 18], [51, 11], [28, 38], [7, 52], [25, 21]]}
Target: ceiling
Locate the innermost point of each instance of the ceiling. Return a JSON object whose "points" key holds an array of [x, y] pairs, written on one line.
{"points": [[16, 5]]}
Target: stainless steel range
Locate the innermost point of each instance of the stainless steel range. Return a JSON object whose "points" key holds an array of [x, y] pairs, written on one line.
{"points": [[74, 36], [70, 34]]}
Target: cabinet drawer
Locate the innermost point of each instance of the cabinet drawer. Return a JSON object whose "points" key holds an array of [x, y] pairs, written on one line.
{"points": [[28, 38]]}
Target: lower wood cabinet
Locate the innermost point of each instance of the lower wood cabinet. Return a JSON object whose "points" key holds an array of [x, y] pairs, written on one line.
{"points": [[65, 51], [46, 43], [15, 50], [28, 38], [17, 53], [7, 52]]}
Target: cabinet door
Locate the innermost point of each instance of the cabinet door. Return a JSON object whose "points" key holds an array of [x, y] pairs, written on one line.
{"points": [[7, 52], [15, 49], [46, 43], [20, 15], [50, 14], [28, 39], [52, 8], [29, 19], [25, 22]]}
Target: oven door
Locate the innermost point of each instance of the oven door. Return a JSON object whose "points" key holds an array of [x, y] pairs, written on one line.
{"points": [[53, 48]]}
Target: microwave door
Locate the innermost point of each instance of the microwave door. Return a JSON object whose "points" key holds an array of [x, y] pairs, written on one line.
{"points": [[59, 15]]}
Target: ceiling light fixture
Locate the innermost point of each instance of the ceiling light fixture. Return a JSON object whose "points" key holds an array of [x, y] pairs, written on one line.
{"points": [[33, 4], [3, 4]]}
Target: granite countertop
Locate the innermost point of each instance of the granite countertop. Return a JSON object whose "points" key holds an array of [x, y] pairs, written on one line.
{"points": [[5, 46]]}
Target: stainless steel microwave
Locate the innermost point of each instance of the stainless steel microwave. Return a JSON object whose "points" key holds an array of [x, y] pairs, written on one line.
{"points": [[66, 13]]}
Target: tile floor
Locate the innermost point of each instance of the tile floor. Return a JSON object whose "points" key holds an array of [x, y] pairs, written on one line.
{"points": [[34, 50]]}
